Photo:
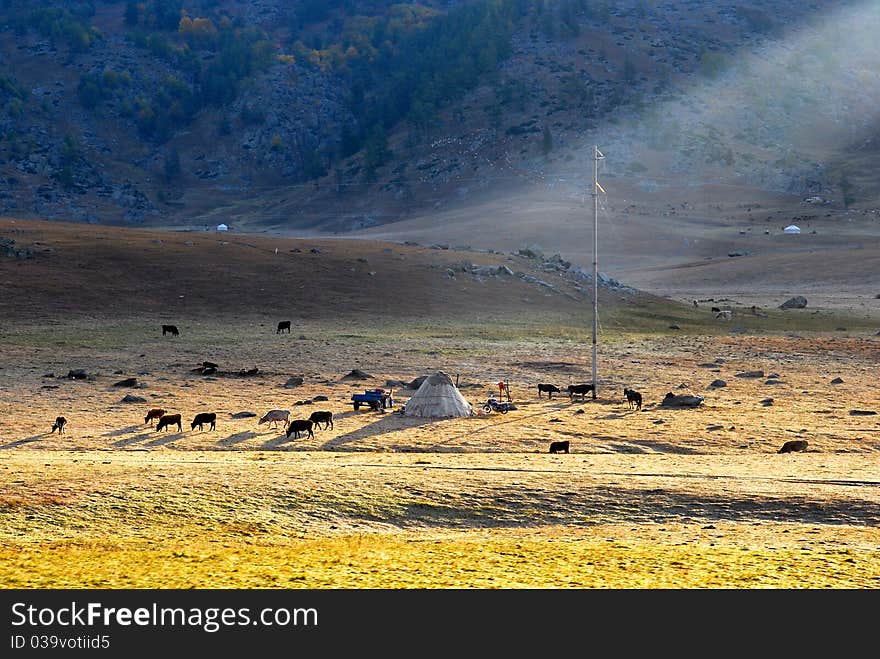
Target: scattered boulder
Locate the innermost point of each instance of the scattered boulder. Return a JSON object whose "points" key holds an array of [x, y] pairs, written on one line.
{"points": [[319, 399], [292, 382], [303, 402], [717, 384], [767, 402], [77, 374], [357, 374], [127, 382], [243, 415], [797, 302], [862, 412], [750, 374], [398, 384], [793, 445], [131, 398], [674, 327], [249, 372], [772, 381], [715, 427], [681, 400], [837, 381]]}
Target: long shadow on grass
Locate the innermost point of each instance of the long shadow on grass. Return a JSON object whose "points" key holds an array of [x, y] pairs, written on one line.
{"points": [[22, 442], [126, 441], [122, 431], [166, 439], [558, 503], [237, 438], [384, 424], [640, 446]]}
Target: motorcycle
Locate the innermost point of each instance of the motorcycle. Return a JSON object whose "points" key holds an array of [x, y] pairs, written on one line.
{"points": [[494, 405]]}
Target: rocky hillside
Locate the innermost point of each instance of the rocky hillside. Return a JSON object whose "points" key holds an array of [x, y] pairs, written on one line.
{"points": [[336, 115]]}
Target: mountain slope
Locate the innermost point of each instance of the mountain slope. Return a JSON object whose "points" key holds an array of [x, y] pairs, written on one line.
{"points": [[317, 115]]}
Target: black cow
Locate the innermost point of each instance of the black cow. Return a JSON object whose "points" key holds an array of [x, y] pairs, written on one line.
{"points": [[549, 388], [634, 398], [322, 417], [297, 426], [793, 446], [202, 418], [170, 329], [283, 325], [579, 390], [59, 424], [559, 447]]}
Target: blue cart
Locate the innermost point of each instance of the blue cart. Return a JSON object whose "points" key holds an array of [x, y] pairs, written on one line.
{"points": [[375, 399]]}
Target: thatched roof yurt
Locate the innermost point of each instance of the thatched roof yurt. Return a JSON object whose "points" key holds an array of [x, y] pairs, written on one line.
{"points": [[438, 397]]}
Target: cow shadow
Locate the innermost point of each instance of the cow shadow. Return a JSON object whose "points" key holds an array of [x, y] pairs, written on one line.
{"points": [[122, 431], [126, 441], [22, 442], [277, 443], [237, 438], [384, 424], [167, 439]]}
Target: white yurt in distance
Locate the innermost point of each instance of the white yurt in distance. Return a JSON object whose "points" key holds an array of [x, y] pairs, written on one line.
{"points": [[222, 227], [438, 397], [792, 228]]}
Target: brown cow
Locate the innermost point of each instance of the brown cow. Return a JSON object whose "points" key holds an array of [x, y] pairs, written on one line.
{"points": [[155, 413], [169, 420]]}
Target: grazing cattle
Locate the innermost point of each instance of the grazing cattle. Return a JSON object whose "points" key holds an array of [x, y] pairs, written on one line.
{"points": [[579, 389], [274, 416], [59, 424], [634, 398], [155, 413], [322, 417], [549, 388], [202, 418], [724, 315], [170, 329], [716, 309], [793, 445], [297, 426], [167, 420], [559, 447], [283, 325]]}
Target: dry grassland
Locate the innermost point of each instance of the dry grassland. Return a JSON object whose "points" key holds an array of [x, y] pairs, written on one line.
{"points": [[658, 498]]}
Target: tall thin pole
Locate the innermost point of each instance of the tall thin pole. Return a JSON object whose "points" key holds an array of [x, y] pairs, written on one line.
{"points": [[596, 187]]}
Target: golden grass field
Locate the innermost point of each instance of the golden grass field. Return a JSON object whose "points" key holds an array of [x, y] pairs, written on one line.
{"points": [[657, 498]]}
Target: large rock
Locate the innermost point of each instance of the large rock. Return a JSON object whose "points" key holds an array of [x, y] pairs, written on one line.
{"points": [[357, 374], [131, 398], [681, 400], [797, 302]]}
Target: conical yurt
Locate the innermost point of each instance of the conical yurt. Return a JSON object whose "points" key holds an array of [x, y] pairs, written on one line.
{"points": [[438, 397]]}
